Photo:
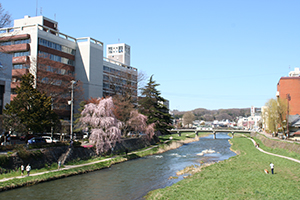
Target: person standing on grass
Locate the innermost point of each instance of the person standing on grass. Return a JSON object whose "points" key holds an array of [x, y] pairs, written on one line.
{"points": [[22, 169], [272, 167], [59, 164], [28, 168], [71, 143]]}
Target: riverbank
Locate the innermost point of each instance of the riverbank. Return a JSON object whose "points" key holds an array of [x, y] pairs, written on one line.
{"points": [[80, 167], [240, 177]]}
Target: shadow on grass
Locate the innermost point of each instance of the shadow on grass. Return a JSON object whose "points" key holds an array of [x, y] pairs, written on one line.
{"points": [[131, 156]]}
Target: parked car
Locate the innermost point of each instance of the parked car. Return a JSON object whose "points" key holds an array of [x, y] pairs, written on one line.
{"points": [[86, 135], [36, 140], [50, 139], [26, 137]]}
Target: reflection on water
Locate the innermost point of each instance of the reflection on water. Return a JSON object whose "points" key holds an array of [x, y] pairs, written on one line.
{"points": [[132, 179]]}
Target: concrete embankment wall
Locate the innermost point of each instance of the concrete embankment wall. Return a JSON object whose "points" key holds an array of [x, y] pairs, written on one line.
{"points": [[48, 156]]}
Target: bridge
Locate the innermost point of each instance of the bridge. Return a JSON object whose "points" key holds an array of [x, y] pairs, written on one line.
{"points": [[214, 131]]}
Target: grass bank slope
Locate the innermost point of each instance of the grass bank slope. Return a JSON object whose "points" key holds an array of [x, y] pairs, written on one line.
{"points": [[240, 177]]}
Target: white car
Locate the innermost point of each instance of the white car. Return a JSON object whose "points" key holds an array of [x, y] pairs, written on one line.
{"points": [[50, 139]]}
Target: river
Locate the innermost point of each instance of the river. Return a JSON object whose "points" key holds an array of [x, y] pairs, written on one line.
{"points": [[132, 179]]}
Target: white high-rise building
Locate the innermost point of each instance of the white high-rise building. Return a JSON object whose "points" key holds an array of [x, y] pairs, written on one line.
{"points": [[119, 52]]}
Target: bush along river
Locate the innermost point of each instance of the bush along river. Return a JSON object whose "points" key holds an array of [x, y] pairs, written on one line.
{"points": [[132, 179]]}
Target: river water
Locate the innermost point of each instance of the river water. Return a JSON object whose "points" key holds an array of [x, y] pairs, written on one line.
{"points": [[132, 179]]}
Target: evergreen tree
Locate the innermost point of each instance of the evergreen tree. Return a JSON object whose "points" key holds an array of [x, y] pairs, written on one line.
{"points": [[151, 105], [31, 108]]}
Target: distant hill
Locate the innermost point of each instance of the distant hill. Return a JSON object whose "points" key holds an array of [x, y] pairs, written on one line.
{"points": [[210, 115]]}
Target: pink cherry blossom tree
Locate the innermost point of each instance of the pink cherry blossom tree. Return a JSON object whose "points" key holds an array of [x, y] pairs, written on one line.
{"points": [[104, 126], [138, 122]]}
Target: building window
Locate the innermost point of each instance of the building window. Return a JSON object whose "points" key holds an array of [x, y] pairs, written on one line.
{"points": [[25, 41], [49, 68], [13, 91], [24, 53], [20, 66], [105, 85], [56, 46], [105, 68], [56, 58], [120, 49], [6, 43]]}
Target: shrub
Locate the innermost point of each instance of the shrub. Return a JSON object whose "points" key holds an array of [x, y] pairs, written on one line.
{"points": [[36, 154], [22, 152], [77, 144], [4, 159]]}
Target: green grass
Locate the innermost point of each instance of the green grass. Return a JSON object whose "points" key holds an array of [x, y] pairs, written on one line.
{"points": [[14, 173], [54, 175], [240, 177], [277, 150]]}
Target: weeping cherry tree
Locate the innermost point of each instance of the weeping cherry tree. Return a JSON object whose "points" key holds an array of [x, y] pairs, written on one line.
{"points": [[104, 126]]}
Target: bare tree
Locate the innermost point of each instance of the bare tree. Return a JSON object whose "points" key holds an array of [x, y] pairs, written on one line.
{"points": [[188, 118], [54, 79], [5, 17], [5, 20]]}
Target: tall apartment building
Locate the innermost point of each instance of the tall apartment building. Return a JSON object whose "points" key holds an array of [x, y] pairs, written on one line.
{"points": [[290, 85], [55, 59]]}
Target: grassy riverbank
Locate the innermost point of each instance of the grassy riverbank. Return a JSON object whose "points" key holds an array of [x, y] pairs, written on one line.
{"points": [[51, 175], [240, 177]]}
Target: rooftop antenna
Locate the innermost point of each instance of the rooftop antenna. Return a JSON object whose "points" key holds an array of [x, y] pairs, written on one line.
{"points": [[118, 40], [54, 16], [36, 8], [41, 11]]}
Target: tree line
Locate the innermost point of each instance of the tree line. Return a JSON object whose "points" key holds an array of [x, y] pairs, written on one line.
{"points": [[107, 119], [211, 115]]}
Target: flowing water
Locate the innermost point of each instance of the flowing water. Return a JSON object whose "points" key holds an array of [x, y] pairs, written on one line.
{"points": [[132, 179]]}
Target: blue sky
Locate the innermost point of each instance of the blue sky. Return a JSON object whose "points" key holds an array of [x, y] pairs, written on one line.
{"points": [[204, 54]]}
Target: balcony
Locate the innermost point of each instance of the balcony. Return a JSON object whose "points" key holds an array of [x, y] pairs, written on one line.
{"points": [[14, 85], [15, 37], [19, 72], [15, 48], [20, 60]]}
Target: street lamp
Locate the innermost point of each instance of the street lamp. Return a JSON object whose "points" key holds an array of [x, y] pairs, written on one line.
{"points": [[71, 103]]}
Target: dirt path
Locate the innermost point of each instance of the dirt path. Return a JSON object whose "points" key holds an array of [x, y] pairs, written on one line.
{"points": [[273, 154]]}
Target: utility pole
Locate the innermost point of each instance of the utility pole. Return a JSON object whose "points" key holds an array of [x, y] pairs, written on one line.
{"points": [[72, 102], [51, 119], [288, 97]]}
